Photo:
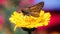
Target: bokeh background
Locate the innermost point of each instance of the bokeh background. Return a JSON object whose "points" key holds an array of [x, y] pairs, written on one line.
{"points": [[52, 6]]}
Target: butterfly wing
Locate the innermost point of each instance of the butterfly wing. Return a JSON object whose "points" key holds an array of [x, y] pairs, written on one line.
{"points": [[37, 7]]}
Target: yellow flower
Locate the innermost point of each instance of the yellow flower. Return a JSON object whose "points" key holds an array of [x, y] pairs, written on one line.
{"points": [[29, 21]]}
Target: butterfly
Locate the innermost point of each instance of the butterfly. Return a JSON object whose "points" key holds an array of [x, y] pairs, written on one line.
{"points": [[33, 10]]}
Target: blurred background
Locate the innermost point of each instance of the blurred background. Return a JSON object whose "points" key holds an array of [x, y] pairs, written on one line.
{"points": [[8, 6]]}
